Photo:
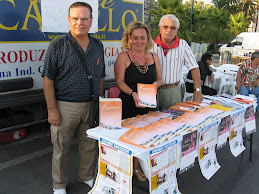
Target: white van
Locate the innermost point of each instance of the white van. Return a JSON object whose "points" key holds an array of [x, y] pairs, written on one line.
{"points": [[239, 49], [245, 40]]}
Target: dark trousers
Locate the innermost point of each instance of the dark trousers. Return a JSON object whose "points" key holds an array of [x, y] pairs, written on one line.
{"points": [[204, 89]]}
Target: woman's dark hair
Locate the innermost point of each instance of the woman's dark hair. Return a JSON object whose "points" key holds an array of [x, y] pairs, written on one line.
{"points": [[81, 4], [206, 56]]}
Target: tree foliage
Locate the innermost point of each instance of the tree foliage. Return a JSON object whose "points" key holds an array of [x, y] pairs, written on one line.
{"points": [[218, 23]]}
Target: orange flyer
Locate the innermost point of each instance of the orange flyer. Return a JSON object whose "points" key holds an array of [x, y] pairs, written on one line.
{"points": [[171, 123], [176, 126], [138, 137], [188, 104], [133, 123], [147, 118], [147, 95], [183, 108], [110, 113], [159, 114], [197, 118]]}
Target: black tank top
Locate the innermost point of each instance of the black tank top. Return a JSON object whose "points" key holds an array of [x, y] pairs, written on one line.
{"points": [[132, 77]]}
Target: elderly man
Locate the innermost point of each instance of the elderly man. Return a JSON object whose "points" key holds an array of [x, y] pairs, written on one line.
{"points": [[247, 79], [68, 95], [174, 53]]}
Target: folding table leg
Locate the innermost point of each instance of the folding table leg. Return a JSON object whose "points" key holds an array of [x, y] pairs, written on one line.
{"points": [[243, 153], [251, 146]]}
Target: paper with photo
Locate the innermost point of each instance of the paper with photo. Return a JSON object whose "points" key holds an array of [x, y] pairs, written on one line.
{"points": [[115, 169], [236, 138], [250, 124], [207, 154], [189, 151], [162, 167], [224, 131]]}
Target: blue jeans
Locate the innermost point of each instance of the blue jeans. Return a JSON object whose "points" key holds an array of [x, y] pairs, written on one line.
{"points": [[246, 91]]}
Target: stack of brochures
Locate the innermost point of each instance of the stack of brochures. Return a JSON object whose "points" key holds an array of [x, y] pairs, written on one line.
{"points": [[110, 113], [154, 128]]}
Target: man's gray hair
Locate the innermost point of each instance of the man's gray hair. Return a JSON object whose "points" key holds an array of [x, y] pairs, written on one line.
{"points": [[172, 17], [255, 54]]}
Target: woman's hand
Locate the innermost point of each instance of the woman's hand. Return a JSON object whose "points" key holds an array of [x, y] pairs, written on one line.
{"points": [[156, 85], [136, 99]]}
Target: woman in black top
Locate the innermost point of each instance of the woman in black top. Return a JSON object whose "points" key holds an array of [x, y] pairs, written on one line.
{"points": [[136, 65]]}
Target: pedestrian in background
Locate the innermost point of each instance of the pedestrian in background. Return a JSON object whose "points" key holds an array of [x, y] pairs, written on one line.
{"points": [[247, 79], [205, 72], [68, 96], [174, 53]]}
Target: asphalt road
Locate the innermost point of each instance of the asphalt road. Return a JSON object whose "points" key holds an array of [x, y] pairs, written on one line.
{"points": [[25, 168]]}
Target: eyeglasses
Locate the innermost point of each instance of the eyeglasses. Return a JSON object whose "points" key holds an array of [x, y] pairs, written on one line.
{"points": [[77, 19], [172, 28], [210, 59]]}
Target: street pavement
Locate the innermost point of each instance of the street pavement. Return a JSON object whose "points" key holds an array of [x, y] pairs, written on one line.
{"points": [[25, 168]]}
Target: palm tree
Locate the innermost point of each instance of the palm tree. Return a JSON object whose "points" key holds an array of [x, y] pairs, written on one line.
{"points": [[239, 23], [163, 7], [219, 29], [249, 7]]}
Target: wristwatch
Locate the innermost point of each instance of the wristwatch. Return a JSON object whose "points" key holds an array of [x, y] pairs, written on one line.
{"points": [[197, 89]]}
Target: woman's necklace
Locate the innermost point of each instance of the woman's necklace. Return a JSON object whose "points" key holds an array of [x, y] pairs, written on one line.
{"points": [[142, 68]]}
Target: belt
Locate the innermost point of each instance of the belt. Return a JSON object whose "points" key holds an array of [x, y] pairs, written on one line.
{"points": [[165, 86]]}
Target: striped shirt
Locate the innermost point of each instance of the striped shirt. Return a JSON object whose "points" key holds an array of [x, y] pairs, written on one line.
{"points": [[173, 62]]}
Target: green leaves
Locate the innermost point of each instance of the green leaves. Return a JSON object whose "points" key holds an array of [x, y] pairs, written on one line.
{"points": [[218, 23]]}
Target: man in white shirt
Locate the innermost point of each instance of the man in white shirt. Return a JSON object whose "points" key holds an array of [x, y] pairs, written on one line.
{"points": [[174, 53]]}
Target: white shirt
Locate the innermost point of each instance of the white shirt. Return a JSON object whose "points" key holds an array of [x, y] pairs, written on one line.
{"points": [[173, 62]]}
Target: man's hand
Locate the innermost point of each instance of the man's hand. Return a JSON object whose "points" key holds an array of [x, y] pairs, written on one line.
{"points": [[255, 84], [54, 117], [211, 78], [197, 96]]}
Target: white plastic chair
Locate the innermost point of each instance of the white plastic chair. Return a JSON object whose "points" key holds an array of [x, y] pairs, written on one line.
{"points": [[186, 94], [217, 75], [184, 70], [229, 72]]}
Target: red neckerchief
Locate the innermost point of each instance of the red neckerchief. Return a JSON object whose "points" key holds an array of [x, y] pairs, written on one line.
{"points": [[165, 47]]}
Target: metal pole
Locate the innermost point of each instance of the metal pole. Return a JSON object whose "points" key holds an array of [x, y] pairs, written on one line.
{"points": [[17, 127], [191, 17]]}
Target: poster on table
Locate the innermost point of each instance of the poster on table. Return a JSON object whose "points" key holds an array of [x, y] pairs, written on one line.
{"points": [[236, 138], [115, 169], [189, 151], [207, 155], [162, 167], [250, 124], [224, 127]]}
